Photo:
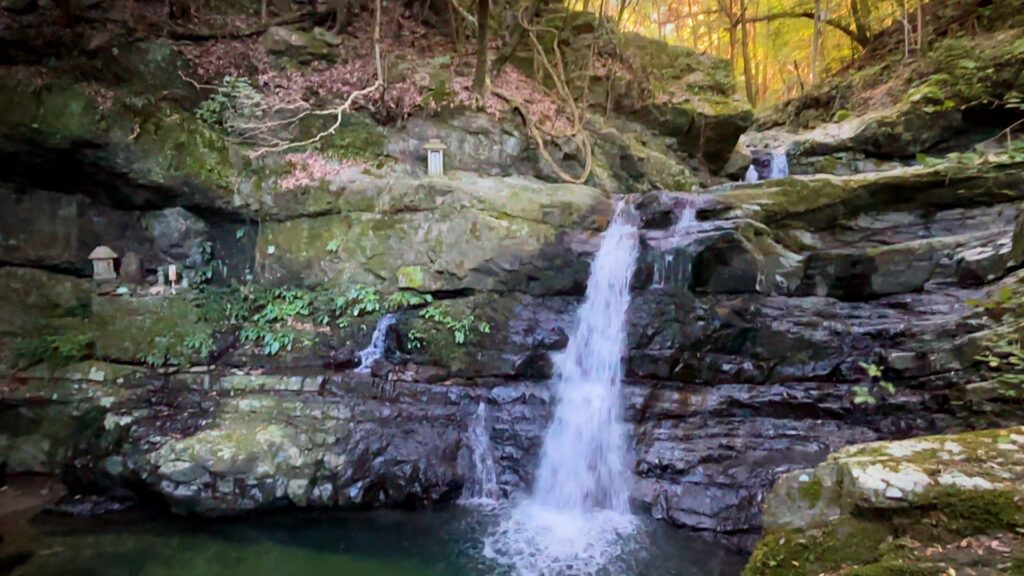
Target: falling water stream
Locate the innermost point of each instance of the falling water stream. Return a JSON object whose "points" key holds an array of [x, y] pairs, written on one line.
{"points": [[481, 480], [378, 343], [577, 521]]}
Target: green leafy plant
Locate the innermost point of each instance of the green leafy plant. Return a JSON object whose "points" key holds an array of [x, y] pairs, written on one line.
{"points": [[869, 393], [61, 348], [461, 329], [405, 299], [1003, 353], [233, 100]]}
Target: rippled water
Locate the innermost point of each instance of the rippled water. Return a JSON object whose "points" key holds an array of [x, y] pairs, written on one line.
{"points": [[448, 542]]}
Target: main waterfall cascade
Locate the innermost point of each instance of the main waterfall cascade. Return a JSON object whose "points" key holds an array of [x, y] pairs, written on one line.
{"points": [[378, 343], [577, 519]]}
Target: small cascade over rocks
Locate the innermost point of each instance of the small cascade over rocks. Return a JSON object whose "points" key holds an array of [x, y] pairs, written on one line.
{"points": [[669, 267], [378, 343], [767, 166], [481, 479], [577, 519]]}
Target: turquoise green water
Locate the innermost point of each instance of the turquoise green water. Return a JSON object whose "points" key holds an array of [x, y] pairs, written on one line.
{"points": [[434, 543]]}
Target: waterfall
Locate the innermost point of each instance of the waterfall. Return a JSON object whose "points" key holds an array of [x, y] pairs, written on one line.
{"points": [[583, 462], [780, 165], [482, 480], [378, 343], [767, 166], [577, 521], [668, 270]]}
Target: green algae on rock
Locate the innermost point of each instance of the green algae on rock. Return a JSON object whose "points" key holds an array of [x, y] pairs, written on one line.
{"points": [[901, 507]]}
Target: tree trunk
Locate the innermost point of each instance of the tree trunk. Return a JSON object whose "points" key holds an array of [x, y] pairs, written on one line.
{"points": [[921, 46], [732, 33], [815, 42], [748, 66], [483, 8], [858, 10]]}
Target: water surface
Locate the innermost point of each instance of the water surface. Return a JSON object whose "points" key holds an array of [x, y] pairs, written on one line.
{"points": [[448, 542]]}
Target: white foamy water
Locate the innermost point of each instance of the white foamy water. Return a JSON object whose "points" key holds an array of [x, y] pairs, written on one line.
{"points": [[577, 520], [481, 481], [378, 343], [780, 165]]}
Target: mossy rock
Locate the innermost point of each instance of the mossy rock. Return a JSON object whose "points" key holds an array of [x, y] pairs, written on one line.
{"points": [[446, 234], [875, 509], [147, 330]]}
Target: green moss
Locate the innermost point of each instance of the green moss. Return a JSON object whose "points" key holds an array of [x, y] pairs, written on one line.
{"points": [[154, 331], [410, 277], [897, 568], [57, 113], [977, 511], [810, 492], [848, 541], [357, 137], [172, 144]]}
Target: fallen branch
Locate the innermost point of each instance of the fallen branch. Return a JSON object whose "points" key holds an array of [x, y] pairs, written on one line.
{"points": [[458, 8], [556, 71], [178, 33], [347, 105], [535, 132]]}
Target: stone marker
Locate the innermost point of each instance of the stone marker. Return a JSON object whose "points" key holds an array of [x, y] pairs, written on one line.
{"points": [[131, 269]]}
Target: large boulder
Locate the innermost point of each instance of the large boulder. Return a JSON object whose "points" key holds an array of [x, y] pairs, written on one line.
{"points": [[935, 505], [461, 232]]}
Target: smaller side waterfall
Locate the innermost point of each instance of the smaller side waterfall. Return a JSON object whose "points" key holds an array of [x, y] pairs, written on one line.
{"points": [[481, 480], [670, 267], [767, 166], [378, 343], [780, 166]]}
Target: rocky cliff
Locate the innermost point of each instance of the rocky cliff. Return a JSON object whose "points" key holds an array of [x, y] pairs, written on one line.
{"points": [[749, 329]]}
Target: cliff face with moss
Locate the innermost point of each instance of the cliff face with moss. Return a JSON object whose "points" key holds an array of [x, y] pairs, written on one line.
{"points": [[749, 330]]}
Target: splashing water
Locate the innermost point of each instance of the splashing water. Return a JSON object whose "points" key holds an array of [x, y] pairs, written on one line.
{"points": [[378, 343], [751, 176], [482, 481], [578, 521]]}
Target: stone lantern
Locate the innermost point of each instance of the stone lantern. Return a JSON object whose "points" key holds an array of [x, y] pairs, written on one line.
{"points": [[103, 263], [435, 157]]}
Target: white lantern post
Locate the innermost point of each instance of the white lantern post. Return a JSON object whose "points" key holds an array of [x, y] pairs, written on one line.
{"points": [[435, 157]]}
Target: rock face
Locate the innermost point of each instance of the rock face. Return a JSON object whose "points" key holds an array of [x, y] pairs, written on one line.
{"points": [[748, 327], [933, 505], [462, 232]]}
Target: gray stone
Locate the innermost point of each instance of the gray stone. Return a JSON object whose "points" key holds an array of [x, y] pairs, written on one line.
{"points": [[132, 271]]}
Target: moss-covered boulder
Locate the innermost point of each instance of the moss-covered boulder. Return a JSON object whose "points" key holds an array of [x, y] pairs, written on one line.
{"points": [[817, 203], [460, 232], [57, 414], [127, 149], [926, 506]]}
